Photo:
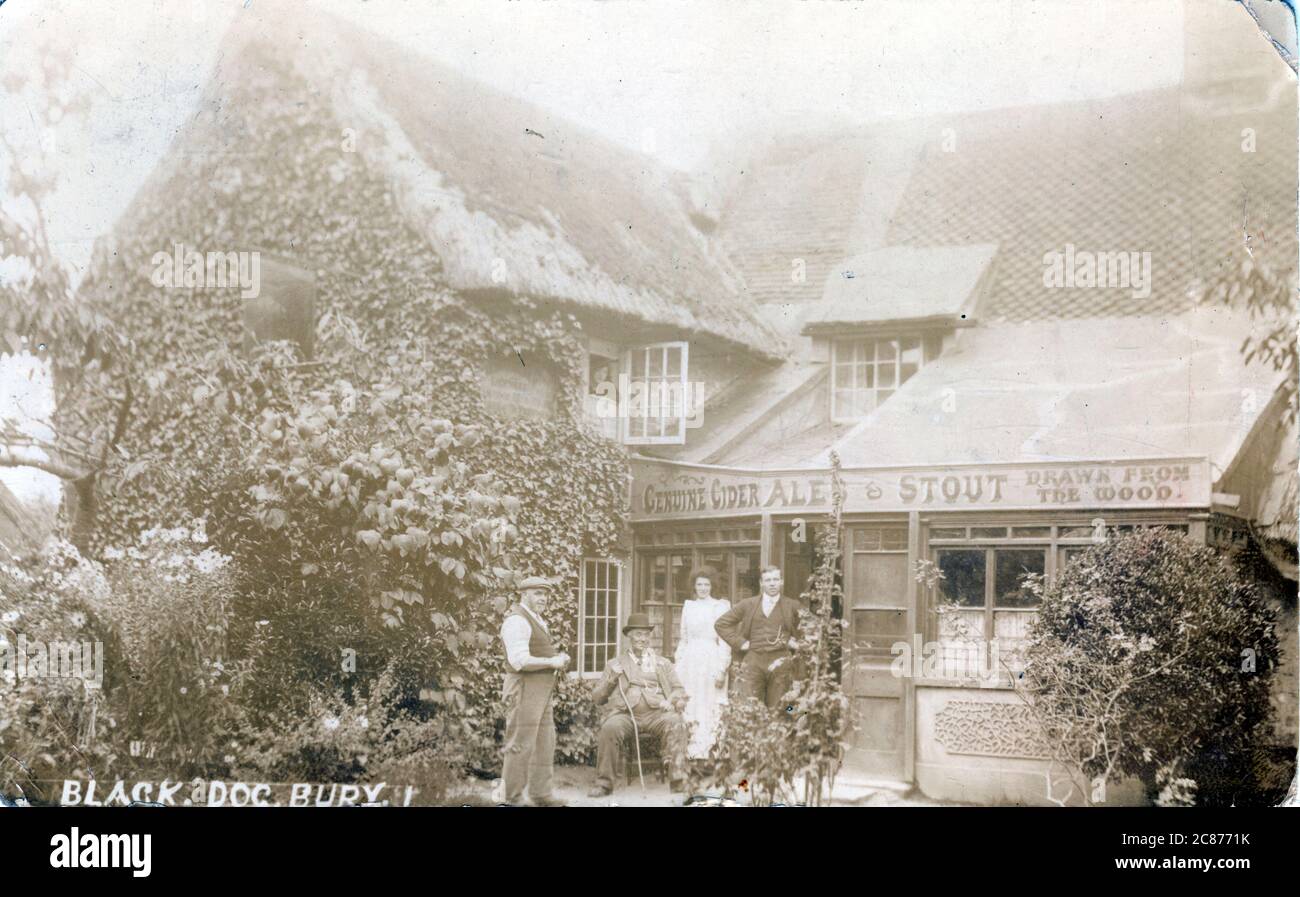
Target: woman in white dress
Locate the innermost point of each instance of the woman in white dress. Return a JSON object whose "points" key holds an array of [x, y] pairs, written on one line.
{"points": [[702, 662]]}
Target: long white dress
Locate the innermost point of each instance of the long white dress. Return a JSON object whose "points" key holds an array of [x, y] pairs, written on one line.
{"points": [[701, 658]]}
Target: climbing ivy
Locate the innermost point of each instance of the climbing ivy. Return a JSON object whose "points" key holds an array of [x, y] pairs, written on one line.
{"points": [[375, 509]]}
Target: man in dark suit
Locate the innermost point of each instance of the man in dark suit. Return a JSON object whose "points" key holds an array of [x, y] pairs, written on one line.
{"points": [[762, 631]]}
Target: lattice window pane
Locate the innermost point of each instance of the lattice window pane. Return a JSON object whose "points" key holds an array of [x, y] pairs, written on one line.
{"points": [[598, 626]]}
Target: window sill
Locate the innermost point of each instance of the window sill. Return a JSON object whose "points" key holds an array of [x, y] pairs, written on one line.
{"points": [[999, 683]]}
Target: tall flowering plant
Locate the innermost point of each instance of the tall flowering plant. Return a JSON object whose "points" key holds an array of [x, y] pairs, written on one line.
{"points": [[793, 755]]}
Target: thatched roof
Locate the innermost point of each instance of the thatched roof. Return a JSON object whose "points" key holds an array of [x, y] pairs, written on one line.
{"points": [[512, 199]]}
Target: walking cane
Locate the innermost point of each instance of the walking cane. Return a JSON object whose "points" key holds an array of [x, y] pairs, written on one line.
{"points": [[636, 735]]}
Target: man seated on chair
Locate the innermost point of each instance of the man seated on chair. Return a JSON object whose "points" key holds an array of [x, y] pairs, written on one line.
{"points": [[639, 686]]}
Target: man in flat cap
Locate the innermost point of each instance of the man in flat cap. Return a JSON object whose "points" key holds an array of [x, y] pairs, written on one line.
{"points": [[532, 664], [639, 686]]}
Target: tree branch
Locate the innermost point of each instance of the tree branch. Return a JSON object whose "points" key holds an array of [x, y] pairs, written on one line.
{"points": [[9, 458]]}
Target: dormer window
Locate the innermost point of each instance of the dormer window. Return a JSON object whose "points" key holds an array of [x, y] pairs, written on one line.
{"points": [[887, 312], [866, 371]]}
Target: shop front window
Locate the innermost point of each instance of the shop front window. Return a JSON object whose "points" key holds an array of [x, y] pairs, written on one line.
{"points": [[983, 596], [984, 592], [665, 575], [1012, 566], [963, 577]]}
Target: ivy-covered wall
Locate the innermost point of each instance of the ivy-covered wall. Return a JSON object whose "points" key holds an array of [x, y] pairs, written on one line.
{"points": [[208, 421]]}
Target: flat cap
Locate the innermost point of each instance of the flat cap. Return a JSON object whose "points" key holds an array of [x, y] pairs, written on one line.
{"points": [[536, 582]]}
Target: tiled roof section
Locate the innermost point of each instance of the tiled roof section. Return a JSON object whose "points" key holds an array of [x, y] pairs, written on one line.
{"points": [[743, 412], [1162, 172], [812, 200], [1097, 388]]}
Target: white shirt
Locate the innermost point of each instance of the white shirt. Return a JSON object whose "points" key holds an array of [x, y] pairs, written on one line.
{"points": [[515, 634], [769, 604], [646, 660]]}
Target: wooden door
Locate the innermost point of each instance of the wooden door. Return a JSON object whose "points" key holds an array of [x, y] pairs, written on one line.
{"points": [[875, 602]]}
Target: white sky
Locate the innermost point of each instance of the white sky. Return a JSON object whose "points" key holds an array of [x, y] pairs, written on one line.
{"points": [[670, 79]]}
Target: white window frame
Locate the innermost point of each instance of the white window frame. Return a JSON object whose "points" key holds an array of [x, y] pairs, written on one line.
{"points": [[613, 595], [841, 344], [679, 438]]}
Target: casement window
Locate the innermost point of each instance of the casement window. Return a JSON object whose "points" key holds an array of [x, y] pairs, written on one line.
{"points": [[981, 598], [598, 607], [866, 372], [654, 397], [600, 403]]}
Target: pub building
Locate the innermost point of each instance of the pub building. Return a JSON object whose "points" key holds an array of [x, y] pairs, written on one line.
{"points": [[896, 294], [991, 417]]}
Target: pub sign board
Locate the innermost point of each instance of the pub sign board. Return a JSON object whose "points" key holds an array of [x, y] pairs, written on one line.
{"points": [[673, 491]]}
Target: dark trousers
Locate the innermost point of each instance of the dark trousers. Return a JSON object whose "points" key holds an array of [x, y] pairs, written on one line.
{"points": [[616, 732], [756, 680], [530, 737]]}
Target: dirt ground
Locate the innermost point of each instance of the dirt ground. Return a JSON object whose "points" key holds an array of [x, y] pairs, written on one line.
{"points": [[573, 782]]}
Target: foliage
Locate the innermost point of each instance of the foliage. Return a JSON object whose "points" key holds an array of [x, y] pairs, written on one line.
{"points": [[39, 314], [754, 752], [1149, 651], [1269, 297], [52, 726], [168, 598], [820, 709], [374, 513], [337, 738]]}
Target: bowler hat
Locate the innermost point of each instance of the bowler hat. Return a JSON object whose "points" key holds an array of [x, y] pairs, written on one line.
{"points": [[637, 621], [535, 582]]}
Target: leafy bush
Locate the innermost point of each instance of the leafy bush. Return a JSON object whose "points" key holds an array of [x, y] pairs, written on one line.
{"points": [[336, 738], [1149, 653], [754, 752], [52, 727], [168, 600]]}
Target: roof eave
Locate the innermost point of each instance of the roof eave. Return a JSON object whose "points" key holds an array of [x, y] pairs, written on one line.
{"points": [[896, 325]]}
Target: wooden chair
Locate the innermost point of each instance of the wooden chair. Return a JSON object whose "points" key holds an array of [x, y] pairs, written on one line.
{"points": [[653, 764]]}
